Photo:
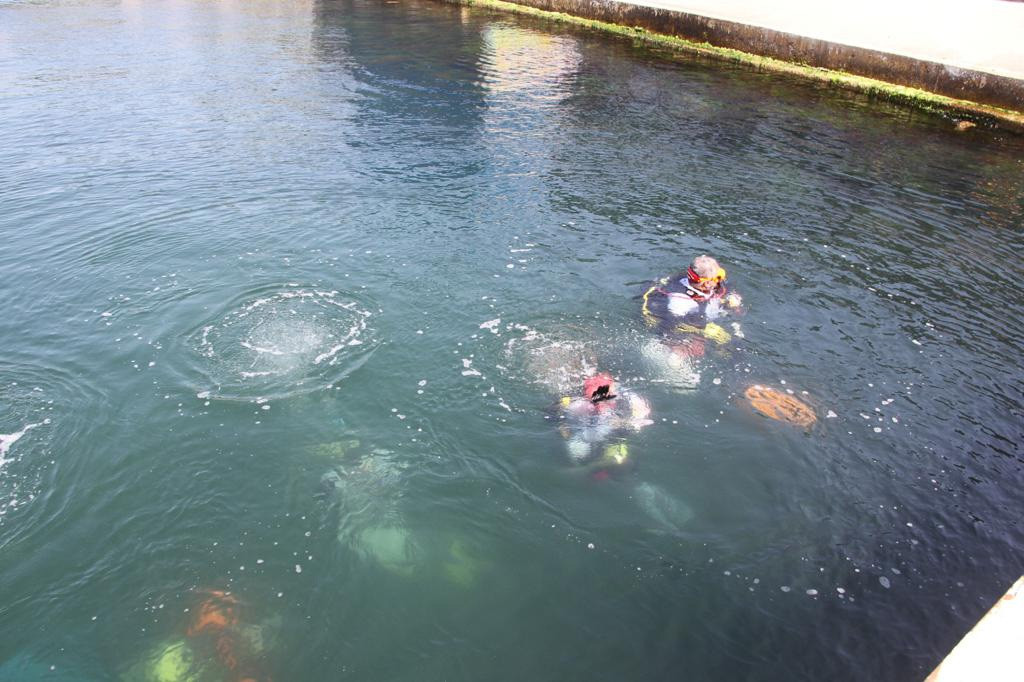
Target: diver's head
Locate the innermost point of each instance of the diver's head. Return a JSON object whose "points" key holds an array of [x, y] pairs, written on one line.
{"points": [[705, 274], [599, 387]]}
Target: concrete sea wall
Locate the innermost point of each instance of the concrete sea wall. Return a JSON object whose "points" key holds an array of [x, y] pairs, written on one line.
{"points": [[963, 93]]}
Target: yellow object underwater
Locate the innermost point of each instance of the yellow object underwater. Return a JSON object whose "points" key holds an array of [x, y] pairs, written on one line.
{"points": [[614, 454], [780, 406], [173, 664], [462, 566]]}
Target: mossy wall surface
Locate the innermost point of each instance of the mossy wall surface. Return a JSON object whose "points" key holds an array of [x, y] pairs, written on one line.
{"points": [[661, 28]]}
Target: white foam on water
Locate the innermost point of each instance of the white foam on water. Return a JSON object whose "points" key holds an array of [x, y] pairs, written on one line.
{"points": [[258, 349], [668, 367], [558, 365], [7, 440], [281, 341], [349, 339]]}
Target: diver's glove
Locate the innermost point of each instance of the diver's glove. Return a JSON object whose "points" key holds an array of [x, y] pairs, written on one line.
{"points": [[732, 301]]}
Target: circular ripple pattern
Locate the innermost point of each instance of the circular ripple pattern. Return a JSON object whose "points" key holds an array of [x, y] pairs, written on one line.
{"points": [[278, 343], [43, 410]]}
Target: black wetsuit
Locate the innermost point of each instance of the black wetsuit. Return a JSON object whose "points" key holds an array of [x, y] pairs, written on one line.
{"points": [[672, 306]]}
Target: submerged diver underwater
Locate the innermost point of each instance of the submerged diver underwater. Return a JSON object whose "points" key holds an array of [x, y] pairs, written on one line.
{"points": [[596, 426], [365, 491], [218, 644]]}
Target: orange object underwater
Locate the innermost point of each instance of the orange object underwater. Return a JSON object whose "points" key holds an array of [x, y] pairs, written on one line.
{"points": [[215, 613], [216, 620], [780, 406]]}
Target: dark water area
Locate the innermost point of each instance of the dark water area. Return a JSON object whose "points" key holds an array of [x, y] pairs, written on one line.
{"points": [[288, 290]]}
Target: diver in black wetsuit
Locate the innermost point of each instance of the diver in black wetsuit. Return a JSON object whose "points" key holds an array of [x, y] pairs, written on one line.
{"points": [[683, 307]]}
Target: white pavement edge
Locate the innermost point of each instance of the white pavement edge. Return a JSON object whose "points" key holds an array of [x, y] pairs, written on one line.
{"points": [[992, 651], [980, 35]]}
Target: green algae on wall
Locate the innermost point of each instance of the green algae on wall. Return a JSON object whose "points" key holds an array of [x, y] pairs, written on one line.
{"points": [[871, 87]]}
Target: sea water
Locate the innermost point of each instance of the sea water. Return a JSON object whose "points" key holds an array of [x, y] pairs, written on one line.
{"points": [[291, 292]]}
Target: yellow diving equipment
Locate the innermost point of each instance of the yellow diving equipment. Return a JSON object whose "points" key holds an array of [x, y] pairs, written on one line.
{"points": [[711, 331], [614, 454], [649, 318], [716, 333]]}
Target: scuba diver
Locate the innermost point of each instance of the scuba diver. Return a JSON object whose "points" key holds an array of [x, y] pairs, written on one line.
{"points": [[684, 307], [601, 416], [215, 624], [595, 426]]}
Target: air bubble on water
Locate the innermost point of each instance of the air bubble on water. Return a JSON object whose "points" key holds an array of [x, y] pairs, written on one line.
{"points": [[785, 588]]}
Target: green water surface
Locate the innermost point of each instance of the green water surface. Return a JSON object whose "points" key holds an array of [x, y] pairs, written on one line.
{"points": [[288, 289]]}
